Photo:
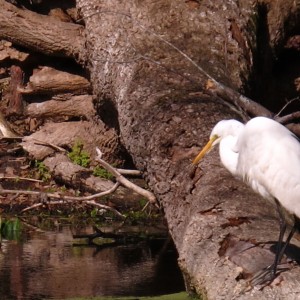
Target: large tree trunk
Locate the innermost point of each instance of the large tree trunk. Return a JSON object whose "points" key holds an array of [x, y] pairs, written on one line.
{"points": [[149, 90], [165, 115]]}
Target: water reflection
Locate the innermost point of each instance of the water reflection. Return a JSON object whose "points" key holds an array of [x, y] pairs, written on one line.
{"points": [[49, 265]]}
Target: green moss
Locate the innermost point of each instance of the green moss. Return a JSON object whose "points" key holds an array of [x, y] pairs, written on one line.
{"points": [[101, 172], [42, 170], [78, 155]]}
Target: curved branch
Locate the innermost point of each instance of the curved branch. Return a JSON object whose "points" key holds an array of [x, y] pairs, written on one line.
{"points": [[121, 179]]}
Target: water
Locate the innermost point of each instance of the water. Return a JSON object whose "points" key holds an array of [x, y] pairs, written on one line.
{"points": [[52, 265]]}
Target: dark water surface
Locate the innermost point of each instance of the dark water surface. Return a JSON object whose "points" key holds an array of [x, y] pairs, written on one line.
{"points": [[52, 265]]}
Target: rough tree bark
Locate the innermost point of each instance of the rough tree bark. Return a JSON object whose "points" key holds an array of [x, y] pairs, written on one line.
{"points": [[164, 115], [223, 232]]}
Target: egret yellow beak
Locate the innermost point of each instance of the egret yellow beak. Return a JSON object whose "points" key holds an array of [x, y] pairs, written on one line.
{"points": [[205, 149]]}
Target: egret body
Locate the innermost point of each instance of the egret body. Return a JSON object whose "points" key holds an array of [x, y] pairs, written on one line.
{"points": [[265, 155]]}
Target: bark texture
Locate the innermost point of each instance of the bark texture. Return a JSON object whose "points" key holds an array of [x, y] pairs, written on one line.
{"points": [[164, 116], [40, 33]]}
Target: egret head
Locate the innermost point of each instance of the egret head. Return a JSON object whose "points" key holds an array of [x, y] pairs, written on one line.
{"points": [[222, 129]]}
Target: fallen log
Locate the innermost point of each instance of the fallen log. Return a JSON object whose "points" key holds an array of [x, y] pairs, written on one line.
{"points": [[154, 69], [40, 32], [75, 106], [47, 80]]}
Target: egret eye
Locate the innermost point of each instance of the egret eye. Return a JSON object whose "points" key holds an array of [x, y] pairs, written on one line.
{"points": [[215, 139]]}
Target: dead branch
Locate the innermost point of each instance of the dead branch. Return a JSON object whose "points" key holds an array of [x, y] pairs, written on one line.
{"points": [[52, 146], [47, 80], [101, 206], [287, 118], [63, 199], [59, 196], [90, 202], [40, 33], [16, 178], [129, 172], [121, 179], [289, 102], [5, 128], [15, 105], [76, 106]]}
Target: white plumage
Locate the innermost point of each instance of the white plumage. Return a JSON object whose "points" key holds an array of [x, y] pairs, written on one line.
{"points": [[264, 154]]}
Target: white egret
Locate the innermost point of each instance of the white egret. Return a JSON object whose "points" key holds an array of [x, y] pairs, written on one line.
{"points": [[266, 155]]}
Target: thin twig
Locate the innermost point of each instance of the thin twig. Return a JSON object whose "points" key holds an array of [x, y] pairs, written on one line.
{"points": [[102, 206], [62, 199], [90, 202], [19, 178], [129, 172], [285, 106], [47, 144], [287, 118], [150, 196]]}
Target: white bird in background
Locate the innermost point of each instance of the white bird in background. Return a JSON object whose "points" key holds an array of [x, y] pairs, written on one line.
{"points": [[266, 155]]}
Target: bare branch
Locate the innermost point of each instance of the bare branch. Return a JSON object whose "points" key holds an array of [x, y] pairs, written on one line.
{"points": [[286, 105], [16, 178], [101, 206], [150, 196], [91, 202], [63, 199], [287, 118], [129, 172], [47, 144]]}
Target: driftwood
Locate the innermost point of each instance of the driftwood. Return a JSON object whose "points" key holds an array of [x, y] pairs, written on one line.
{"points": [[65, 134], [75, 106], [28, 29], [50, 81], [15, 105], [120, 178]]}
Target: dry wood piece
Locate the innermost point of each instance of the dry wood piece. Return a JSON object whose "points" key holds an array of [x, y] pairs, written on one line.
{"points": [[149, 195], [59, 14], [50, 81], [39, 32], [75, 175], [76, 106], [66, 134], [7, 52], [5, 129], [15, 105]]}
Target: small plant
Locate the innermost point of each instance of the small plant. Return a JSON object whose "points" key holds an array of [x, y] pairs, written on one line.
{"points": [[42, 170], [79, 156], [11, 229], [101, 172], [143, 202]]}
